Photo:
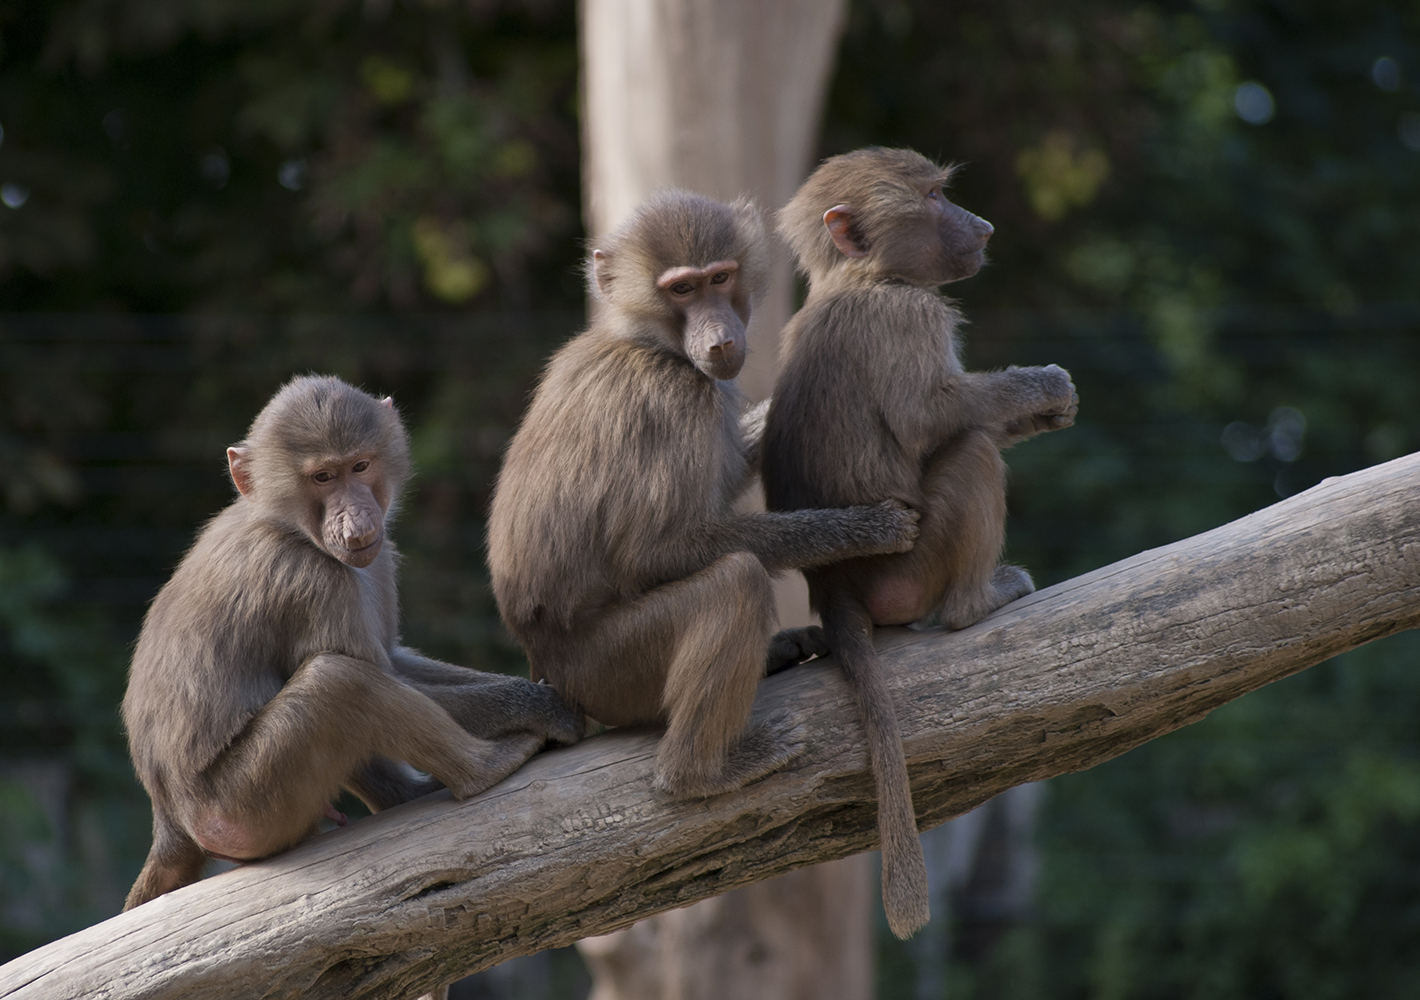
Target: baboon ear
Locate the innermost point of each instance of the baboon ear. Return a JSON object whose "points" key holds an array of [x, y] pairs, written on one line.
{"points": [[839, 222], [238, 464], [387, 402], [601, 271]]}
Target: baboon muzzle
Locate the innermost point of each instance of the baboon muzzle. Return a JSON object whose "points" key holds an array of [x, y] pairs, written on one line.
{"points": [[715, 339]]}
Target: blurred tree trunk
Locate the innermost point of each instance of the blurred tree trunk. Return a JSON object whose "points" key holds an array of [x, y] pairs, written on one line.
{"points": [[723, 97]]}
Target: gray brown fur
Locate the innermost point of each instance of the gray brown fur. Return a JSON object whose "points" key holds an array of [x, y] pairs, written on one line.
{"points": [[269, 675], [873, 403], [617, 558]]}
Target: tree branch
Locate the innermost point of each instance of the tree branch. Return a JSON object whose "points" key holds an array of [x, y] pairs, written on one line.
{"points": [[577, 843]]}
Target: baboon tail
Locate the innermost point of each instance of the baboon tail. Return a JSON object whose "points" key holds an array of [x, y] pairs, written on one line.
{"points": [[850, 636]]}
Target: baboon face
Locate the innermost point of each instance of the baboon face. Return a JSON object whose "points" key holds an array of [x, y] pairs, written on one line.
{"points": [[328, 460], [691, 266], [339, 502], [960, 238], [713, 312], [924, 238], [348, 499]]}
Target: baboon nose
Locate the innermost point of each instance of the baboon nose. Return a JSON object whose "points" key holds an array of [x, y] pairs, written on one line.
{"points": [[359, 541]]}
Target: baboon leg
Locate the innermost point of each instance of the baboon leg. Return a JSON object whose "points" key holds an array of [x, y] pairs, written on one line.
{"points": [[490, 705], [710, 687], [174, 860], [951, 577], [271, 787], [688, 654]]}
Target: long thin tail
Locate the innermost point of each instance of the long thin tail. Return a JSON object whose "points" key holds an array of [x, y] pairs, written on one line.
{"points": [[850, 636]]}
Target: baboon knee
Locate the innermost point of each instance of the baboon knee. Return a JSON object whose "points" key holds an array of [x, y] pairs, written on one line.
{"points": [[747, 579]]}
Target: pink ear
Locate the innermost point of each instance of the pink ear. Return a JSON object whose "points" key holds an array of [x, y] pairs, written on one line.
{"points": [[237, 464], [599, 272], [839, 221], [387, 402]]}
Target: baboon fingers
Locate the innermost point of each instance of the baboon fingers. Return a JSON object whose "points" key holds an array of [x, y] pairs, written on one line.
{"points": [[793, 646], [905, 521]]}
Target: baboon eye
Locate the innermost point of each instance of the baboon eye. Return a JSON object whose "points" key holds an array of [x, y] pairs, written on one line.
{"points": [[361, 466], [682, 288], [933, 194], [323, 476], [720, 278]]}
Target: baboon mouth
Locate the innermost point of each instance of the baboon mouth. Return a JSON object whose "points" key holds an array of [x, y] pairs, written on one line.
{"points": [[722, 370], [360, 554]]}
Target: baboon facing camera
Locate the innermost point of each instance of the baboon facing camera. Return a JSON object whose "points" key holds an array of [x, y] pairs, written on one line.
{"points": [[268, 674]]}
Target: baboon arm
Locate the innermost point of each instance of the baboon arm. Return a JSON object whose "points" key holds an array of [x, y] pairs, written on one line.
{"points": [[804, 538], [421, 671], [984, 399], [487, 705]]}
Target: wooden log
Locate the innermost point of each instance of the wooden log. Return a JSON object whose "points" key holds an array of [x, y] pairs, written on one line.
{"points": [[577, 843]]}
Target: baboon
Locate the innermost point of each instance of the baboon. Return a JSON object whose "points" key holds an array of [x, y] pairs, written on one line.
{"points": [[617, 559], [268, 673], [873, 402]]}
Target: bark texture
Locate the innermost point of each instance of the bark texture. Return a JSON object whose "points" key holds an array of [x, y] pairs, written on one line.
{"points": [[577, 843]]}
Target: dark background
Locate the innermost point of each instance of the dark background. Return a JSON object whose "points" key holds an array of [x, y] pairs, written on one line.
{"points": [[1207, 211]]}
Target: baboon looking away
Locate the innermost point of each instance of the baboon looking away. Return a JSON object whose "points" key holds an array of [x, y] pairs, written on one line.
{"points": [[873, 402], [616, 557], [268, 673]]}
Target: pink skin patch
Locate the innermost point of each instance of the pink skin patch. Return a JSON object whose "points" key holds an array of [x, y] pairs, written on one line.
{"points": [[229, 839], [224, 838], [895, 601]]}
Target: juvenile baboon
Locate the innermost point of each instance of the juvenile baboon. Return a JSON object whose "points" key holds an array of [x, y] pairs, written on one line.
{"points": [[873, 402], [617, 560], [268, 673]]}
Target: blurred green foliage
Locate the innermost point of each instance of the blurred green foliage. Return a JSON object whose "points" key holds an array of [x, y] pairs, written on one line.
{"points": [[1207, 211], [285, 155]]}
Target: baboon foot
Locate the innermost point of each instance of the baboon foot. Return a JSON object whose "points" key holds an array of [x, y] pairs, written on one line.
{"points": [[1008, 583], [766, 747], [793, 646], [497, 759], [564, 724]]}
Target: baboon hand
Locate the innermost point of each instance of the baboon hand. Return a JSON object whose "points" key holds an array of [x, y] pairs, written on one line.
{"points": [[564, 724], [893, 524], [793, 646], [1054, 390], [1039, 423], [1049, 398]]}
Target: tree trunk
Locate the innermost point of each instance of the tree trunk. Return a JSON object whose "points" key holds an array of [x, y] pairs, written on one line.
{"points": [[723, 97], [577, 842]]}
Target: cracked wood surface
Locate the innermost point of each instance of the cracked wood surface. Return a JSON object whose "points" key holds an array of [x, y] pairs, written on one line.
{"points": [[577, 843]]}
